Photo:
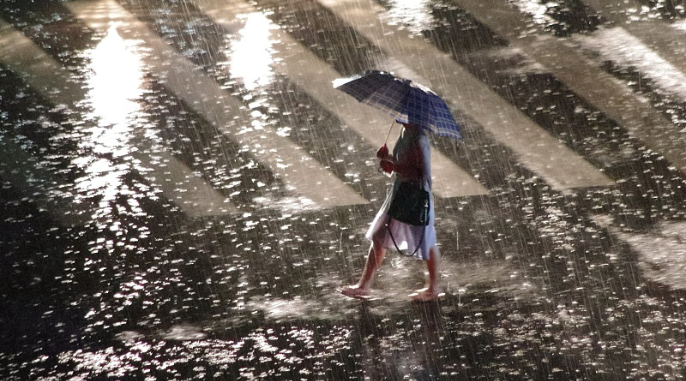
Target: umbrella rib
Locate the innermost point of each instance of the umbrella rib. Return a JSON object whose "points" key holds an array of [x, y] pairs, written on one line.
{"points": [[389, 92]]}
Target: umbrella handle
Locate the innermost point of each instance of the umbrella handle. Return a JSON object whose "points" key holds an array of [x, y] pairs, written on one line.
{"points": [[389, 132]]}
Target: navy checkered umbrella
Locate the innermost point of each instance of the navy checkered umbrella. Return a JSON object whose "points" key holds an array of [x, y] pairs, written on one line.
{"points": [[406, 101]]}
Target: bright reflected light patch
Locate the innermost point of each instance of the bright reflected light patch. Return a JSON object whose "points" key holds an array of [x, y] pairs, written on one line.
{"points": [[537, 10], [114, 87], [114, 79], [414, 13], [251, 55]]}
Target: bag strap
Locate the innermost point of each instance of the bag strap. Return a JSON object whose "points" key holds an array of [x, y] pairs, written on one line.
{"points": [[396, 245]]}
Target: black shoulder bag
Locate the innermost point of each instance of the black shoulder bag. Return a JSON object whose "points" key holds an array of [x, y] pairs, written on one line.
{"points": [[411, 206]]}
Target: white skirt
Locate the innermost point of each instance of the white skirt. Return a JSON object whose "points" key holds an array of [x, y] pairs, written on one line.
{"points": [[409, 238]]}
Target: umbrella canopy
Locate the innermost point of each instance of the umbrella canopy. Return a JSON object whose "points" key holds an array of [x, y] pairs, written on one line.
{"points": [[406, 101]]}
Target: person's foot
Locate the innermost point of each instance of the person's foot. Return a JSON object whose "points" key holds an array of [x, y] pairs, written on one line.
{"points": [[425, 294], [355, 292]]}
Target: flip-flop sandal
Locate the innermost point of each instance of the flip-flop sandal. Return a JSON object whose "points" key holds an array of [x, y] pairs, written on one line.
{"points": [[420, 297], [354, 292]]}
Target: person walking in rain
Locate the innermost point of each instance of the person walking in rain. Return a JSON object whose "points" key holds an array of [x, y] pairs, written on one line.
{"points": [[410, 162], [418, 109]]}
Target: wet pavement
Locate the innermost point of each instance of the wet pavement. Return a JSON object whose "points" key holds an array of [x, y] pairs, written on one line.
{"points": [[182, 191]]}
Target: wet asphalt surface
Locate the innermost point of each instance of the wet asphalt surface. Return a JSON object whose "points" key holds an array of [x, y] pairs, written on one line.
{"points": [[539, 283]]}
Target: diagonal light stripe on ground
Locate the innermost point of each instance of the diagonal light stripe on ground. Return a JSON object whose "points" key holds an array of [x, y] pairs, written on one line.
{"points": [[45, 75], [535, 147], [47, 191], [178, 183], [299, 171], [16, 165], [585, 79], [668, 39], [291, 57]]}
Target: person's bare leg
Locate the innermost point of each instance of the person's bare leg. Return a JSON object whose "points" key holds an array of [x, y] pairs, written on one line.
{"points": [[431, 290], [374, 258]]}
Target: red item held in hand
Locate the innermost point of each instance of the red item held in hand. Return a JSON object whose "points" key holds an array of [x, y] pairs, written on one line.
{"points": [[382, 152], [387, 166]]}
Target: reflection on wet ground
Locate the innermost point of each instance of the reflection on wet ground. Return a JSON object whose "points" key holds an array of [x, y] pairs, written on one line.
{"points": [[145, 237]]}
